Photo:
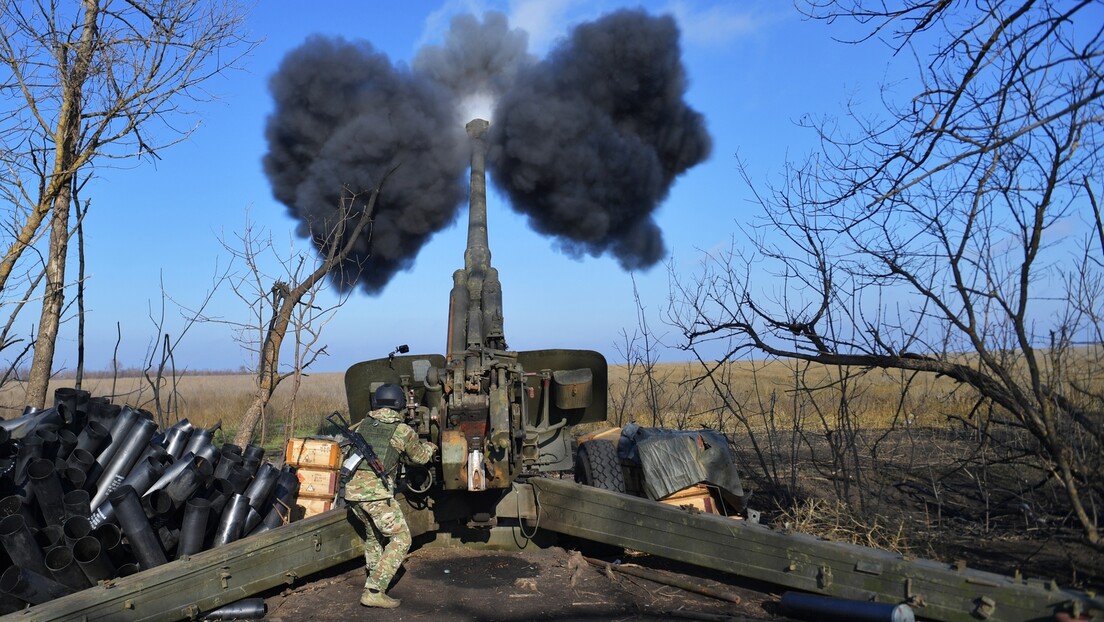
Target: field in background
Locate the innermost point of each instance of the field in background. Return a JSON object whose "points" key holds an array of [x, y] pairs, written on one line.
{"points": [[668, 397], [778, 395], [208, 399]]}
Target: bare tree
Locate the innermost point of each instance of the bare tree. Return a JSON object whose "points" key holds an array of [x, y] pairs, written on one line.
{"points": [[91, 82], [282, 302], [623, 395], [948, 237], [161, 373]]}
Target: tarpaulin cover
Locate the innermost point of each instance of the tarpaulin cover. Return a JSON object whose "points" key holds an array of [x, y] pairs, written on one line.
{"points": [[676, 459]]}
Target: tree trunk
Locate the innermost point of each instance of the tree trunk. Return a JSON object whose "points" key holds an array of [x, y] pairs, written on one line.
{"points": [[252, 416], [268, 367], [53, 299], [268, 373], [65, 165]]}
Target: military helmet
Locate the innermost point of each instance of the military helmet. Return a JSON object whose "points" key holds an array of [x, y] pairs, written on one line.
{"points": [[390, 396]]}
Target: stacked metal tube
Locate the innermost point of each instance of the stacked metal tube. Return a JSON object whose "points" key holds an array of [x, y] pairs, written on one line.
{"points": [[91, 491]]}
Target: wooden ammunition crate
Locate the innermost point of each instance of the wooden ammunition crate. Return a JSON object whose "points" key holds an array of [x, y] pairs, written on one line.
{"points": [[313, 452], [317, 482], [309, 506], [697, 497]]}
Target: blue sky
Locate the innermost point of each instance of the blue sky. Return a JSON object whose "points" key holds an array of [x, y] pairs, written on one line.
{"points": [[755, 67]]}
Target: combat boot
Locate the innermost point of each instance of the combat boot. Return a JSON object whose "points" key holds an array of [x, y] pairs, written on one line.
{"points": [[376, 598]]}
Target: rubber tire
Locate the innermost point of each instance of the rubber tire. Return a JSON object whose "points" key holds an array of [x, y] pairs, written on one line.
{"points": [[597, 464]]}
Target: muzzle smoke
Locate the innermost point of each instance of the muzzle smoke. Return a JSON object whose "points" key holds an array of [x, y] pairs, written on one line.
{"points": [[586, 142], [589, 141]]}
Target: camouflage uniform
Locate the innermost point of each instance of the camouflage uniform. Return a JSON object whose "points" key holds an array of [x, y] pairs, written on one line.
{"points": [[374, 505]]}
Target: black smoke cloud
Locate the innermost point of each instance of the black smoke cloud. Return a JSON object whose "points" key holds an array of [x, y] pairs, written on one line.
{"points": [[588, 142], [344, 117]]}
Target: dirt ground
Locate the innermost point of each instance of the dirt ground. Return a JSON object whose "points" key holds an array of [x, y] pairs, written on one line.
{"points": [[979, 522], [554, 583], [455, 584]]}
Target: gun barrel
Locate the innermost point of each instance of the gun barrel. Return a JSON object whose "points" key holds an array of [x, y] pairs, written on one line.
{"points": [[475, 306], [477, 256]]}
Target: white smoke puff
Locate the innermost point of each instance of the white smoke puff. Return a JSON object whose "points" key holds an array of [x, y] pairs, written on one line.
{"points": [[477, 106], [477, 63]]}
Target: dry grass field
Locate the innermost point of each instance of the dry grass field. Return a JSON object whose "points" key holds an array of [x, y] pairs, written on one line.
{"points": [[675, 396], [206, 400], [672, 395], [777, 394]]}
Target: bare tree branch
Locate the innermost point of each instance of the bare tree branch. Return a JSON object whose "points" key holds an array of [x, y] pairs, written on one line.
{"points": [[82, 84], [936, 241]]}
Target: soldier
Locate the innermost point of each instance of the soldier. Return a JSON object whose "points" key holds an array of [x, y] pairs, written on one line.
{"points": [[372, 499]]}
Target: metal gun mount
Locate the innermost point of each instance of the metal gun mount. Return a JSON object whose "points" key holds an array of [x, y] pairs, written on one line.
{"points": [[496, 414]]}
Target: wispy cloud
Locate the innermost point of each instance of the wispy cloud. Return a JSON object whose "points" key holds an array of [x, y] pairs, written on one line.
{"points": [[718, 24], [708, 24], [544, 20]]}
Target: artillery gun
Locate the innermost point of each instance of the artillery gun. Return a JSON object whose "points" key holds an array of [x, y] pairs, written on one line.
{"points": [[497, 415]]}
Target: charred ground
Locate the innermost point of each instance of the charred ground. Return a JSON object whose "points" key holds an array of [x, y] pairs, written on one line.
{"points": [[554, 583]]}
